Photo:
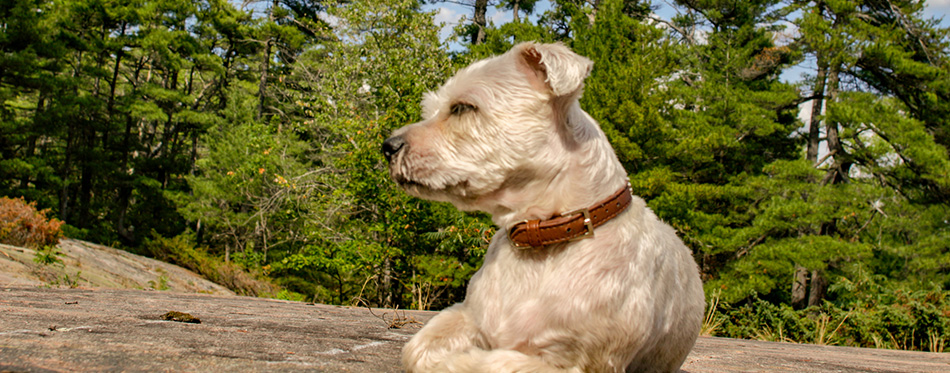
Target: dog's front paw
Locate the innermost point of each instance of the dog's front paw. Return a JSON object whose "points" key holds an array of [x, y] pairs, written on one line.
{"points": [[481, 361], [510, 361], [450, 333]]}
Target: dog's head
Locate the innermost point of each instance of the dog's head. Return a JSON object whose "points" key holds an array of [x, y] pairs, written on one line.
{"points": [[501, 124]]}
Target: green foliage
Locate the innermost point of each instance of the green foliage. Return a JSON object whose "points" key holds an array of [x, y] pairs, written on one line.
{"points": [[287, 295], [363, 236], [49, 255], [162, 283], [250, 180], [625, 92], [789, 227], [895, 319], [71, 281]]}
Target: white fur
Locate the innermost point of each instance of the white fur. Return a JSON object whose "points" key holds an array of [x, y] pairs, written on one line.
{"points": [[629, 299]]}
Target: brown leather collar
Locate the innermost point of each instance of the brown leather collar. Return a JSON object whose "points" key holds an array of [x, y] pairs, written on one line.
{"points": [[569, 226]]}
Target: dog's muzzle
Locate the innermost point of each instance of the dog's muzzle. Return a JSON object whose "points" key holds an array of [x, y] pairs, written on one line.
{"points": [[392, 146]]}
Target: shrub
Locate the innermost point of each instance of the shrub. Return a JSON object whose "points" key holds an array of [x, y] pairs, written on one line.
{"points": [[49, 255], [21, 224], [181, 250], [897, 319]]}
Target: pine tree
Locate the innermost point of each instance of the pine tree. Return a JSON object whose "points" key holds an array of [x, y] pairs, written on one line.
{"points": [[31, 56], [834, 217], [691, 120]]}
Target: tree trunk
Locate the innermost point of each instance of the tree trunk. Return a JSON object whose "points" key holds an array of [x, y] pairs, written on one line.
{"points": [[595, 5], [31, 141], [125, 195], [385, 294], [814, 123], [199, 233], [86, 162], [64, 176], [125, 187], [265, 66], [838, 172], [515, 9], [799, 287], [817, 290], [125, 183], [115, 74], [481, 7]]}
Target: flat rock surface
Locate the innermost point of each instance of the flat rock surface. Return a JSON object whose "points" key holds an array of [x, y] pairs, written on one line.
{"points": [[43, 329]]}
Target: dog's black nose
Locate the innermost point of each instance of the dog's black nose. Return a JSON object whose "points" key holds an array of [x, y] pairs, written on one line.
{"points": [[392, 146]]}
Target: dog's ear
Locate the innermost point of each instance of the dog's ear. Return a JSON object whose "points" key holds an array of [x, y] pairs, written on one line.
{"points": [[562, 70]]}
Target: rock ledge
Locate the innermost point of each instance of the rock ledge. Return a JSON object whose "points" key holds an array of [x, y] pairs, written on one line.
{"points": [[44, 330]]}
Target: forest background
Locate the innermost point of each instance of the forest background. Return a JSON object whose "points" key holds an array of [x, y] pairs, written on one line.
{"points": [[244, 137]]}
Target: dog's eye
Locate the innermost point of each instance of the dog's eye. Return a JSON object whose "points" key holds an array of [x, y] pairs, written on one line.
{"points": [[460, 108]]}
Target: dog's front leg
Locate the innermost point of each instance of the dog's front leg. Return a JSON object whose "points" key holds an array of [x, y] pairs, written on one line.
{"points": [[449, 334], [451, 342]]}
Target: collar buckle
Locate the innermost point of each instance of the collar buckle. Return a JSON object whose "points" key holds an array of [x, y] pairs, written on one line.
{"points": [[589, 224]]}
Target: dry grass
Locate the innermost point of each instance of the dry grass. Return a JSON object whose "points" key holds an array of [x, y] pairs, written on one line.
{"points": [[778, 335], [822, 337], [902, 344], [394, 319], [936, 341], [713, 320], [398, 321]]}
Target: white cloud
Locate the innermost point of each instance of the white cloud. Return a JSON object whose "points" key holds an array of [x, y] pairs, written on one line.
{"points": [[448, 17], [788, 35], [500, 17]]}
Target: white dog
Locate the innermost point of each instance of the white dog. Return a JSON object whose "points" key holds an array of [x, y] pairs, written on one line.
{"points": [[607, 288]]}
